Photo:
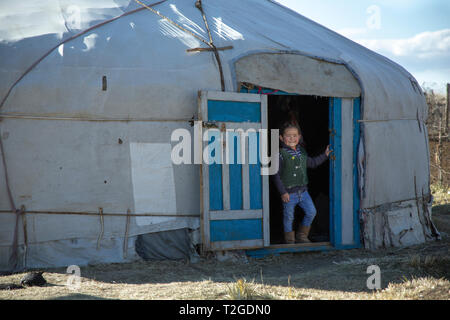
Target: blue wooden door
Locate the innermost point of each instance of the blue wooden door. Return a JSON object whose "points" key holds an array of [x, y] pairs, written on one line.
{"points": [[234, 193]]}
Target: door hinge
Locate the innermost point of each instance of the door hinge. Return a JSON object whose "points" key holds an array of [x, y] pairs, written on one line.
{"points": [[209, 124]]}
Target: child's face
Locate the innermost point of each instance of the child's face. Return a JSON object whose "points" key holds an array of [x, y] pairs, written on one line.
{"points": [[290, 137]]}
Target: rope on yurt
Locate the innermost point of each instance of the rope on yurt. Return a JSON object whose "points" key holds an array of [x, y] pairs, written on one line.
{"points": [[125, 239], [208, 49], [198, 5], [85, 213], [13, 259], [82, 118], [102, 227], [25, 236]]}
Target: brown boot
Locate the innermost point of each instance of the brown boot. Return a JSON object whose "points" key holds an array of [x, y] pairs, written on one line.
{"points": [[301, 236], [289, 237]]}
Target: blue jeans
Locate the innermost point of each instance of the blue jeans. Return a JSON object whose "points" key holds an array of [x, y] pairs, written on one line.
{"points": [[304, 201]]}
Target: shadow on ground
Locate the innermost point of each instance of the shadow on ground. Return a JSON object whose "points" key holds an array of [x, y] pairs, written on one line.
{"points": [[79, 296], [344, 270]]}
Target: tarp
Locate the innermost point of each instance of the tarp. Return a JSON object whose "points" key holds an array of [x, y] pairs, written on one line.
{"points": [[167, 245]]}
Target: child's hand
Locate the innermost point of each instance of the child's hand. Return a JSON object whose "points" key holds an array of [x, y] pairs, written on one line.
{"points": [[285, 197], [328, 151]]}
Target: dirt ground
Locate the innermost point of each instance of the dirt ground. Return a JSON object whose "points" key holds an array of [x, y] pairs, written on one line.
{"points": [[417, 272]]}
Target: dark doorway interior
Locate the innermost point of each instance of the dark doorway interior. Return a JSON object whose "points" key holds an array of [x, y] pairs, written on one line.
{"points": [[311, 113]]}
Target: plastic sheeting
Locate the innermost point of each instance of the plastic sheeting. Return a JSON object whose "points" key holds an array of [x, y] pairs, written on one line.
{"points": [[77, 251], [166, 245]]}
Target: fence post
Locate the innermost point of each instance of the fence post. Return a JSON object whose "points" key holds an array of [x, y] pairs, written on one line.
{"points": [[448, 110]]}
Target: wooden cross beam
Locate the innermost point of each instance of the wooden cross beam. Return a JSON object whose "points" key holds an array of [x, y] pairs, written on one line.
{"points": [[209, 49]]}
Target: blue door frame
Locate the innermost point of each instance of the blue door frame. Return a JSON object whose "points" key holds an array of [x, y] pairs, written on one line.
{"points": [[335, 116], [335, 193], [356, 195]]}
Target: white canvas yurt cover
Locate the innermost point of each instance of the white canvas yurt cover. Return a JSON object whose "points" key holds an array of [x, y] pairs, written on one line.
{"points": [[91, 91]]}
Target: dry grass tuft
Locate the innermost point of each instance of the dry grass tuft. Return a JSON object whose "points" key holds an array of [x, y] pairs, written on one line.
{"points": [[430, 265], [426, 288], [242, 290]]}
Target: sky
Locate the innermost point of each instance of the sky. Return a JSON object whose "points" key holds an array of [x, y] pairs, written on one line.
{"points": [[413, 33]]}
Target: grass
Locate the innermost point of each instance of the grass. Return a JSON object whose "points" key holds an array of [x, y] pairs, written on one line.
{"points": [[417, 272], [242, 290], [426, 288]]}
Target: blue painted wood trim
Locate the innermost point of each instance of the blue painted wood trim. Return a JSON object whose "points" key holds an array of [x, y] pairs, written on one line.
{"points": [[266, 91], [260, 253], [215, 180], [255, 179], [356, 201], [348, 247], [237, 229], [337, 177], [264, 252], [235, 174], [331, 169], [234, 111]]}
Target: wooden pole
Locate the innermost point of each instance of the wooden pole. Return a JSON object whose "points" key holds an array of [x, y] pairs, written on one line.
{"points": [[439, 153], [448, 110]]}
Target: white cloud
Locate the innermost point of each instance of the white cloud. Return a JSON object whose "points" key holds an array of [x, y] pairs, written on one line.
{"points": [[423, 45], [426, 55]]}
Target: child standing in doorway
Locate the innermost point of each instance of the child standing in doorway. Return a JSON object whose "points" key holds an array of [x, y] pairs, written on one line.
{"points": [[292, 181]]}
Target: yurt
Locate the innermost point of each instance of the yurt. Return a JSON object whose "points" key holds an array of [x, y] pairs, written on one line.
{"points": [[109, 107]]}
